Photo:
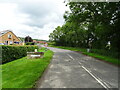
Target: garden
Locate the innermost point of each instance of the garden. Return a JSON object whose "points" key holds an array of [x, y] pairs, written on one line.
{"points": [[20, 72]]}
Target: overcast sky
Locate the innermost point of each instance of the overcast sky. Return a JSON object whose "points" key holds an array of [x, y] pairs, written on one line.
{"points": [[36, 18]]}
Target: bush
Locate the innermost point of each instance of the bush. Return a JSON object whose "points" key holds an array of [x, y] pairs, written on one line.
{"points": [[30, 43], [109, 53], [10, 53]]}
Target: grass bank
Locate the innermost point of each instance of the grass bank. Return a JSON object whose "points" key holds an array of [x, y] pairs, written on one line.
{"points": [[23, 73], [93, 54]]}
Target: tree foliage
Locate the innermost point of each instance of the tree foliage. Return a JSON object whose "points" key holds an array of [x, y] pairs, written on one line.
{"points": [[90, 24], [28, 39]]}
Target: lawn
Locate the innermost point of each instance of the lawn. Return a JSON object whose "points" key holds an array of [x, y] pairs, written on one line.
{"points": [[84, 51], [23, 73]]}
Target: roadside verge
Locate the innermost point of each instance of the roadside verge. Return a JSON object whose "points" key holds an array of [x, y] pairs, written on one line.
{"points": [[104, 58], [23, 73]]}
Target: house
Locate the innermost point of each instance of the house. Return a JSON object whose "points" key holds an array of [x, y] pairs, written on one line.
{"points": [[40, 42], [22, 40], [7, 37]]}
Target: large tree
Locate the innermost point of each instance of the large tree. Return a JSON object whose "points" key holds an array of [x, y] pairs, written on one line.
{"points": [[90, 24]]}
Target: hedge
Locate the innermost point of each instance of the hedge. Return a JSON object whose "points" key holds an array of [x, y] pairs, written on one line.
{"points": [[29, 43], [10, 53], [112, 54]]}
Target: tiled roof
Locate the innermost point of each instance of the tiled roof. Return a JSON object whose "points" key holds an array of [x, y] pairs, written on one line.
{"points": [[4, 32], [38, 41]]}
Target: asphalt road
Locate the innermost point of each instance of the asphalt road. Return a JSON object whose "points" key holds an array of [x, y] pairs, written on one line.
{"points": [[70, 69]]}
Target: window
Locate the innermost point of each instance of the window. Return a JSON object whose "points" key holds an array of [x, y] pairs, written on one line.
{"points": [[11, 42], [6, 42], [9, 36], [16, 42]]}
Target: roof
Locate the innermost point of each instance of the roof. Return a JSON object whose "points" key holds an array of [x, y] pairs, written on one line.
{"points": [[34, 41], [39, 41], [4, 32]]}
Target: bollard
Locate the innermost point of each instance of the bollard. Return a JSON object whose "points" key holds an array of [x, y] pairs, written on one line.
{"points": [[88, 50], [35, 50]]}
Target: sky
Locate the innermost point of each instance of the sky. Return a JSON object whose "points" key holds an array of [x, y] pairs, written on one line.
{"points": [[36, 18]]}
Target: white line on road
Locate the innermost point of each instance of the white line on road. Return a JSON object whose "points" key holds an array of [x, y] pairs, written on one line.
{"points": [[104, 82], [99, 80], [70, 56], [96, 78], [80, 63]]}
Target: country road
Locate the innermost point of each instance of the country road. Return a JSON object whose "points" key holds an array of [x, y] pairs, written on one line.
{"points": [[69, 69]]}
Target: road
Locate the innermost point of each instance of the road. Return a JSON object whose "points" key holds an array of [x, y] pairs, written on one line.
{"points": [[70, 69]]}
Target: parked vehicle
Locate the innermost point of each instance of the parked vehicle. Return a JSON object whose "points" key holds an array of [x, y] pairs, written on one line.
{"points": [[1, 43]]}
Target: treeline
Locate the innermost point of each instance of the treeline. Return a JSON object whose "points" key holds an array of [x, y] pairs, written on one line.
{"points": [[22, 38], [90, 25]]}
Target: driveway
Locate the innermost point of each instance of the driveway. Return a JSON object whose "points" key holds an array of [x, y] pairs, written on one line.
{"points": [[70, 69]]}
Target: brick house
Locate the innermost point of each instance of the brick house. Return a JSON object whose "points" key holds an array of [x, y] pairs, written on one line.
{"points": [[7, 37], [40, 42]]}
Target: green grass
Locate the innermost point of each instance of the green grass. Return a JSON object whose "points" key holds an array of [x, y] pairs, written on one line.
{"points": [[105, 58], [84, 51], [23, 73], [0, 77]]}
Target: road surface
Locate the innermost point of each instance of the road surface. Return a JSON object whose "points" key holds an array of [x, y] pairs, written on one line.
{"points": [[70, 69]]}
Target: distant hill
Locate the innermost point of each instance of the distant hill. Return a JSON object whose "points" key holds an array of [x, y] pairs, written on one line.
{"points": [[40, 40], [22, 38]]}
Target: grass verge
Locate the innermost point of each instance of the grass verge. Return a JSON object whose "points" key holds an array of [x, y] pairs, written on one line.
{"points": [[23, 73], [84, 51]]}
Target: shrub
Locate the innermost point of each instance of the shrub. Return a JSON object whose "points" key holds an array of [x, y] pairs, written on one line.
{"points": [[30, 43], [10, 53], [109, 53]]}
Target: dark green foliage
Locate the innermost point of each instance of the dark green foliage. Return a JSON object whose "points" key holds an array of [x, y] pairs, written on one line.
{"points": [[90, 25], [28, 39], [29, 43], [10, 53], [112, 54]]}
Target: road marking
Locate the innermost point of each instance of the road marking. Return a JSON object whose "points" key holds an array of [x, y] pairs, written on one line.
{"points": [[80, 63], [104, 82], [98, 80], [70, 56]]}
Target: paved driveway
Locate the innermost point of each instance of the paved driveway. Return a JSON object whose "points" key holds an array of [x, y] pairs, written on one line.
{"points": [[70, 69]]}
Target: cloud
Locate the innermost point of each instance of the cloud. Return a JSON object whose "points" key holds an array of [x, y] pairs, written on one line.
{"points": [[43, 12], [36, 18]]}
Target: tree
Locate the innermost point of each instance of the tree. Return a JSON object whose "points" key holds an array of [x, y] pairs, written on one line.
{"points": [[28, 39], [90, 24]]}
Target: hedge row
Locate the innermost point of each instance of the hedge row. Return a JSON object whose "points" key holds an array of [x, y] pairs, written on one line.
{"points": [[112, 54], [10, 53]]}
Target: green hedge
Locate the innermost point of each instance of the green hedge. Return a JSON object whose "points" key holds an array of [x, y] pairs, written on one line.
{"points": [[112, 54], [30, 43], [10, 53]]}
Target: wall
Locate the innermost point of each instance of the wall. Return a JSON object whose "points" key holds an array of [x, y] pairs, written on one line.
{"points": [[5, 38]]}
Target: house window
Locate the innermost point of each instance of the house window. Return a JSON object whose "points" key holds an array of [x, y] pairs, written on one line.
{"points": [[11, 42], [9, 36], [6, 42], [16, 42]]}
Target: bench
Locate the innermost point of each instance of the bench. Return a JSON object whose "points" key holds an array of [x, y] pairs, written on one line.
{"points": [[32, 55]]}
